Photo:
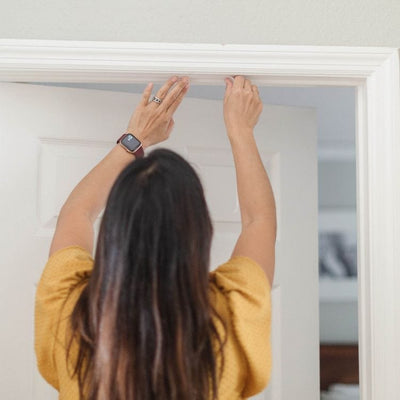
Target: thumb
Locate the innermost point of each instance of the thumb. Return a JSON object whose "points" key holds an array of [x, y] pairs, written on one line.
{"points": [[228, 82], [228, 86]]}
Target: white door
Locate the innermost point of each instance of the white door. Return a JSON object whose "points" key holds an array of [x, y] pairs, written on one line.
{"points": [[50, 137]]}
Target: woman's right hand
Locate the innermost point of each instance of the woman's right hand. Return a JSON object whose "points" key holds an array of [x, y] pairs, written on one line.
{"points": [[242, 105]]}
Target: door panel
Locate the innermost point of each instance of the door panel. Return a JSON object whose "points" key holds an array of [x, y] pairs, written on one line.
{"points": [[52, 136]]}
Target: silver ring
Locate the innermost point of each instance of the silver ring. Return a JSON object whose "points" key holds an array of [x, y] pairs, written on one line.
{"points": [[156, 99]]}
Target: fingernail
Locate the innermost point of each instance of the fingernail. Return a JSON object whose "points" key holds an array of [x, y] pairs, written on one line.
{"points": [[174, 78]]}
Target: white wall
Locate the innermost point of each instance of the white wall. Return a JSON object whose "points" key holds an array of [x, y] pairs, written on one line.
{"points": [[317, 22]]}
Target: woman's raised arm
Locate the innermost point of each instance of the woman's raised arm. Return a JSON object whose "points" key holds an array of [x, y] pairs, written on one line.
{"points": [[151, 123], [242, 108]]}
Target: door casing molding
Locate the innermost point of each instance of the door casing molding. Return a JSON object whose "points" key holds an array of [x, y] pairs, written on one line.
{"points": [[373, 71]]}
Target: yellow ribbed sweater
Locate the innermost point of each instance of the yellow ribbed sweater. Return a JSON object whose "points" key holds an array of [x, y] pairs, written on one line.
{"points": [[239, 290]]}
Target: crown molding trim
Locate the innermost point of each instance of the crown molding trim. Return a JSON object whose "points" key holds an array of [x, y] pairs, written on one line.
{"points": [[206, 63]]}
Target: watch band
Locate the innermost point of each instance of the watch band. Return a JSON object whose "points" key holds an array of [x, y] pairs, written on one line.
{"points": [[121, 137], [139, 152]]}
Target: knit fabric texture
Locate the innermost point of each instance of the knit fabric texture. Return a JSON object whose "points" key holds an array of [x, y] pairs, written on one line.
{"points": [[239, 290]]}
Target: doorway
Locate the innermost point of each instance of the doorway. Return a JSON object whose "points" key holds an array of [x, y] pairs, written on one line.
{"points": [[375, 74], [337, 221]]}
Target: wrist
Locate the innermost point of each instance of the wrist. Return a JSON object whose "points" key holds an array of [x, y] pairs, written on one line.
{"points": [[143, 140], [121, 154], [132, 144], [141, 136], [240, 135]]}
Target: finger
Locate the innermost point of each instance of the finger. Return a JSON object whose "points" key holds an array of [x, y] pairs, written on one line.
{"points": [[228, 87], [254, 88], [162, 92], [238, 82], [172, 108], [174, 93], [146, 94], [247, 84]]}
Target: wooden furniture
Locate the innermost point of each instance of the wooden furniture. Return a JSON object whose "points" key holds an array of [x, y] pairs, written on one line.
{"points": [[338, 364]]}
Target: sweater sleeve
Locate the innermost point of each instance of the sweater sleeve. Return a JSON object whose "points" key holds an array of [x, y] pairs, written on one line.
{"points": [[246, 287], [63, 272]]}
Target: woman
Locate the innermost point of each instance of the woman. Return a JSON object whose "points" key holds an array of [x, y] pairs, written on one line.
{"points": [[145, 319]]}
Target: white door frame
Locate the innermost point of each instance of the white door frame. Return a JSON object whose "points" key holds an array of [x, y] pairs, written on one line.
{"points": [[374, 71]]}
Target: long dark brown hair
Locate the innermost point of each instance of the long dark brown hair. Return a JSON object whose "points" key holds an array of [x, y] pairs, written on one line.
{"points": [[144, 325]]}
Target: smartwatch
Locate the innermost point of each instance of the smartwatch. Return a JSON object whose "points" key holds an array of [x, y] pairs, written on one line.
{"points": [[131, 144]]}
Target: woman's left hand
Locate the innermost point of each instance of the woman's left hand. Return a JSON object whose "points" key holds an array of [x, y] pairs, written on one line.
{"points": [[151, 122]]}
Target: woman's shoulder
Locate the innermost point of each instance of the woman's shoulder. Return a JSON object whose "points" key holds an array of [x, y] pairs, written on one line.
{"points": [[58, 289], [66, 267], [240, 273]]}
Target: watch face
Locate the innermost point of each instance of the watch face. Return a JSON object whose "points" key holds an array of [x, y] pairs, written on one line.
{"points": [[130, 142]]}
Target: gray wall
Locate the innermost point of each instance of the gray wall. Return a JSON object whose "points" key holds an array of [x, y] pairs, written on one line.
{"points": [[337, 184], [306, 22]]}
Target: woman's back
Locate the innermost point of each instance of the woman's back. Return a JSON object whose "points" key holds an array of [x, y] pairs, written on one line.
{"points": [[239, 291]]}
